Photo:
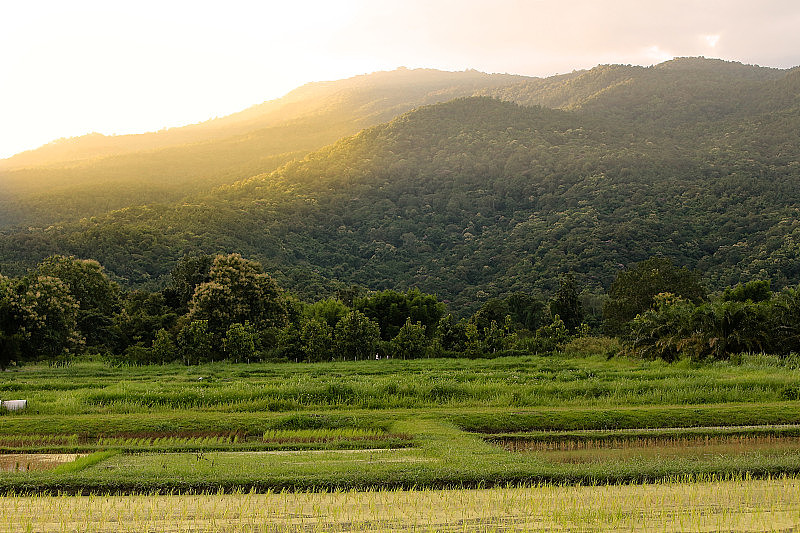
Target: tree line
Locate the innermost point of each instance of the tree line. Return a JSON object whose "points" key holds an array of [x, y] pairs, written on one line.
{"points": [[225, 307]]}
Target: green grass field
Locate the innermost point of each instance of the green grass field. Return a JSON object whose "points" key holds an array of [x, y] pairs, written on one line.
{"points": [[510, 444], [400, 424]]}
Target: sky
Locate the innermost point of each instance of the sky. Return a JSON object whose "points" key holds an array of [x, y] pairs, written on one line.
{"points": [[68, 68]]}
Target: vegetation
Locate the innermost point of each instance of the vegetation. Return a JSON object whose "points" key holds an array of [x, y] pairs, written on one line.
{"points": [[420, 304], [734, 505], [86, 176], [475, 199], [419, 422]]}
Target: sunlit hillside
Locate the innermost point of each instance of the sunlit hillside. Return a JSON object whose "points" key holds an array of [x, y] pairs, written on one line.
{"points": [[477, 197], [89, 175]]}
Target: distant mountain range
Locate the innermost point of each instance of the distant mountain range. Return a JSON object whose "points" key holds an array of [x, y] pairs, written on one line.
{"points": [[463, 184]]}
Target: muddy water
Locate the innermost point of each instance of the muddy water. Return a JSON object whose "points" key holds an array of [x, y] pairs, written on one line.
{"points": [[627, 449], [24, 462]]}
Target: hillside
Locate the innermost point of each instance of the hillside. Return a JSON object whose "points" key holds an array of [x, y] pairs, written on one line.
{"points": [[93, 174], [477, 197]]}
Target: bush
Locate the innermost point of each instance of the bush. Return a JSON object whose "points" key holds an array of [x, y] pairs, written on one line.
{"points": [[592, 346]]}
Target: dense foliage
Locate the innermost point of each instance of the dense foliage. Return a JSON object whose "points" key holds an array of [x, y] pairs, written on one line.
{"points": [[90, 175], [238, 313], [475, 199]]}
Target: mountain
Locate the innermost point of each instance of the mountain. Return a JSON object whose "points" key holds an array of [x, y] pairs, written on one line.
{"points": [[478, 197], [93, 174]]}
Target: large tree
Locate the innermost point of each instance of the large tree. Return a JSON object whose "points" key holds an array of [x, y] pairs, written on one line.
{"points": [[390, 309], [40, 318], [633, 290], [238, 291], [566, 303], [96, 295]]}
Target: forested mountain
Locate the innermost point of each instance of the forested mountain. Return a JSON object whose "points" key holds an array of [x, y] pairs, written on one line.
{"points": [[90, 175], [694, 159]]}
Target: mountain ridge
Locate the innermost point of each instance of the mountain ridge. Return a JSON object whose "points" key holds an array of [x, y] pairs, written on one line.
{"points": [[480, 197]]}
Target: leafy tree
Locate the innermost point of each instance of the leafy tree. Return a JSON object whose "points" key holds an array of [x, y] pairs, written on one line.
{"points": [[164, 349], [410, 342], [195, 343], [329, 310], [566, 303], [238, 291], [98, 298], [527, 311], [356, 336], [143, 314], [11, 332], [316, 337], [239, 344], [390, 309], [494, 310], [633, 291], [753, 291], [47, 317], [548, 337], [451, 334], [190, 271]]}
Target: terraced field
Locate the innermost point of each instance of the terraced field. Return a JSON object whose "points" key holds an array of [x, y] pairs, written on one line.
{"points": [[462, 425]]}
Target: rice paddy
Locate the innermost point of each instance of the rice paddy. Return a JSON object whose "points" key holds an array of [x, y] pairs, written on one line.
{"points": [[509, 444], [742, 505], [25, 462]]}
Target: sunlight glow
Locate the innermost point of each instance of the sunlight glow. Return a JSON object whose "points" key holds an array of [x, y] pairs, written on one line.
{"points": [[69, 68]]}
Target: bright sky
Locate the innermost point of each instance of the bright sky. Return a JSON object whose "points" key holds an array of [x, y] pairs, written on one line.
{"points": [[70, 67]]}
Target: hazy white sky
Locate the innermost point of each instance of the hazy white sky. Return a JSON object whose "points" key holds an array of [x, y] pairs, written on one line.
{"points": [[112, 66]]}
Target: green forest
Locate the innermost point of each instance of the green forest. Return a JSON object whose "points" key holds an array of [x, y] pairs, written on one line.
{"points": [[470, 210], [227, 308]]}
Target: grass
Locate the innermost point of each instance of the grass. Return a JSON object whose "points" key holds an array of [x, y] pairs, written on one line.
{"points": [[400, 424], [520, 382]]}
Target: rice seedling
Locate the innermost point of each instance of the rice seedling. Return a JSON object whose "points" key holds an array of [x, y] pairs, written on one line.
{"points": [[737, 505]]}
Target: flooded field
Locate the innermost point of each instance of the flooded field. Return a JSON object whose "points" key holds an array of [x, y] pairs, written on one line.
{"points": [[599, 450], [25, 462]]}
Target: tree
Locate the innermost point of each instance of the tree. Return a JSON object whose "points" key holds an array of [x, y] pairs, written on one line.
{"points": [[11, 334], [97, 297], [356, 336], [239, 343], [410, 342], [566, 303], [195, 343], [329, 310], [163, 349], [452, 334], [316, 338], [633, 290], [390, 310], [528, 312], [190, 271], [143, 314], [494, 310], [238, 291], [752, 291], [665, 330], [47, 316]]}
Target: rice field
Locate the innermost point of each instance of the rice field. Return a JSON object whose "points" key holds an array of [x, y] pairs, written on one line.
{"points": [[510, 382], [25, 462], [742, 505], [370, 425]]}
